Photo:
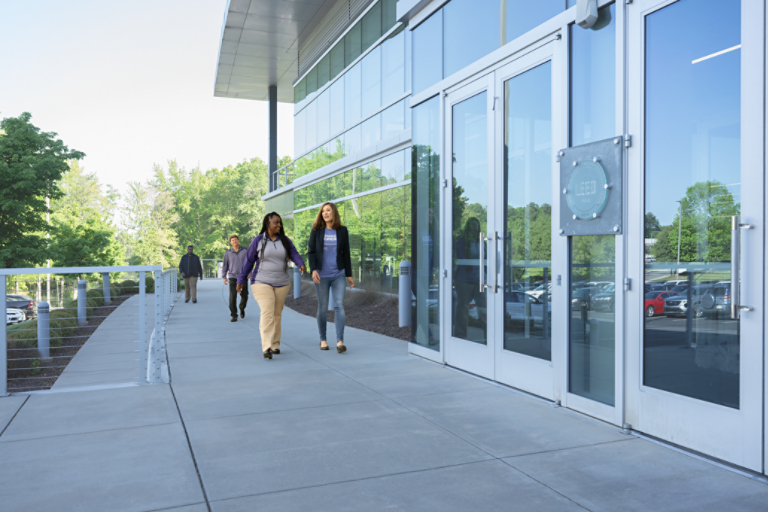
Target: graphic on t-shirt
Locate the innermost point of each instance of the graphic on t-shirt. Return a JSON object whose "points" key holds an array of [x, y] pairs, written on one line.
{"points": [[330, 268]]}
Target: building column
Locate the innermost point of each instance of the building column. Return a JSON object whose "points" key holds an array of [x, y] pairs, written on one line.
{"points": [[272, 136]]}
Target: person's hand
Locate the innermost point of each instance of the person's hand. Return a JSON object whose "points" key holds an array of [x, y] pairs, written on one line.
{"points": [[315, 277], [225, 281], [182, 274], [201, 278], [351, 282], [303, 269], [239, 288]]}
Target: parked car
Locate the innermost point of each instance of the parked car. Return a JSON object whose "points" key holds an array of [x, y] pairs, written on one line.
{"points": [[23, 303], [677, 305], [516, 304], [716, 300], [582, 297], [14, 316], [599, 285], [654, 302], [675, 282], [539, 290], [605, 300], [654, 287]]}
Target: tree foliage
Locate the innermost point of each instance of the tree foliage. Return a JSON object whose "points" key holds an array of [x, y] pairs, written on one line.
{"points": [[31, 165], [148, 217]]}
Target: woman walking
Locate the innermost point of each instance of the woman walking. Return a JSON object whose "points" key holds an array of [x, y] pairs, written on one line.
{"points": [[331, 266], [270, 251]]}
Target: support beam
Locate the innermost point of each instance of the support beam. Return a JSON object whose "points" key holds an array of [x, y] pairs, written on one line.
{"points": [[272, 136]]}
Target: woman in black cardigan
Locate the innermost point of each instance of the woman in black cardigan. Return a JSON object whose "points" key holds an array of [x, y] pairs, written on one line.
{"points": [[330, 262]]}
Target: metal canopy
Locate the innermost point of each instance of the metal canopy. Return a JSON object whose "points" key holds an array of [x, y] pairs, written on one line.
{"points": [[259, 46]]}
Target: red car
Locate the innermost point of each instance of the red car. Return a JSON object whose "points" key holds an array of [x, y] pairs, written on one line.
{"points": [[654, 301]]}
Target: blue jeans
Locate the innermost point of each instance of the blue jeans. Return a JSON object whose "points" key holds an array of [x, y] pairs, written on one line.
{"points": [[339, 286]]}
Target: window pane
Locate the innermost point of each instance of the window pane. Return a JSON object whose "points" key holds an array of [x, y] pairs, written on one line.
{"points": [[324, 71], [353, 140], [392, 168], [427, 65], [393, 67], [372, 131], [371, 176], [523, 15], [337, 148], [471, 32], [352, 44], [352, 100], [311, 126], [593, 74], [408, 55], [692, 188], [337, 59], [312, 81], [372, 26], [372, 81], [393, 120], [355, 181], [299, 133], [388, 15], [323, 116], [337, 106], [592, 360], [300, 92]]}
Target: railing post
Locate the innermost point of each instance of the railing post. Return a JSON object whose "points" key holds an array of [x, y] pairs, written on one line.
{"points": [[82, 312], [3, 343], [159, 280], [44, 329], [404, 294], [142, 329], [296, 283], [107, 296]]}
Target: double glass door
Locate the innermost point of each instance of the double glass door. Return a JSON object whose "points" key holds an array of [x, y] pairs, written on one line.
{"points": [[499, 219]]}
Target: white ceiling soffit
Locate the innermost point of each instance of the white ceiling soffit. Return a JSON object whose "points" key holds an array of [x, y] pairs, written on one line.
{"points": [[260, 43]]}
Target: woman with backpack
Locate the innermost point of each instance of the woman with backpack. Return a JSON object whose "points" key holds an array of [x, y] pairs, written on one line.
{"points": [[331, 266], [270, 251]]}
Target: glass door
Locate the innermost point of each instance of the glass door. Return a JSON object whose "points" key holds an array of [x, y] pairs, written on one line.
{"points": [[525, 192], [471, 255], [695, 338]]}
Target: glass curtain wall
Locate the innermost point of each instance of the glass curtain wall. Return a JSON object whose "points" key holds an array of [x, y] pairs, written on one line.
{"points": [[463, 31], [425, 187], [592, 258]]}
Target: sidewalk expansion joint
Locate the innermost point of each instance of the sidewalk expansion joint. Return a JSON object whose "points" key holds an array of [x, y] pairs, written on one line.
{"points": [[13, 417]]}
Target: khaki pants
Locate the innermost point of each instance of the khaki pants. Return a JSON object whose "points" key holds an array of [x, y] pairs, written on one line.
{"points": [[271, 301], [190, 288]]}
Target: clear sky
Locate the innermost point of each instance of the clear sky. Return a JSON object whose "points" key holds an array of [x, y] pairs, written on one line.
{"points": [[130, 84]]}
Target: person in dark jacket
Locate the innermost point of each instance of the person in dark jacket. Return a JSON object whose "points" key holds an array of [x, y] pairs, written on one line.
{"points": [[270, 251], [331, 265], [191, 269], [230, 269]]}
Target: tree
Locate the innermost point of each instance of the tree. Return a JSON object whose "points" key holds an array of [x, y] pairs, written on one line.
{"points": [[148, 225], [31, 165], [82, 232], [652, 225]]}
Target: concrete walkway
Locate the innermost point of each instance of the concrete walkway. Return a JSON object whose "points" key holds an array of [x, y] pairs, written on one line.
{"points": [[372, 429]]}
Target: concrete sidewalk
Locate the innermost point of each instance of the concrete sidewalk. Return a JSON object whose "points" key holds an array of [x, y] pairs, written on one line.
{"points": [[372, 429]]}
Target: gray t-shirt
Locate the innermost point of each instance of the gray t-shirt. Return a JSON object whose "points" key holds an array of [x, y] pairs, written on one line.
{"points": [[272, 268]]}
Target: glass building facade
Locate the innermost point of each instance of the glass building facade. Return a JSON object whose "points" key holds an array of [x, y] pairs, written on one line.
{"points": [[440, 136]]}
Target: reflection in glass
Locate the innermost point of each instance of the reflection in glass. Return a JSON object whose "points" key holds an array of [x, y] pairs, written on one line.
{"points": [[300, 92], [336, 92], [393, 120], [372, 131], [311, 125], [299, 136], [693, 187], [524, 15], [312, 81], [591, 352], [337, 59], [352, 44], [392, 168], [593, 79], [528, 226], [393, 67], [470, 204], [425, 265], [353, 140], [427, 67], [324, 71], [372, 81], [371, 24], [352, 99], [323, 116], [471, 32]]}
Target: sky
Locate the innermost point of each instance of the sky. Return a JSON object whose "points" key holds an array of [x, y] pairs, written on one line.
{"points": [[130, 84]]}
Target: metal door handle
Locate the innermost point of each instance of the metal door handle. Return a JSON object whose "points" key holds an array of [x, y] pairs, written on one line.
{"points": [[736, 227], [496, 279], [481, 268]]}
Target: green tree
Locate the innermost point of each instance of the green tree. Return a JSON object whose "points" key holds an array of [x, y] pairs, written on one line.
{"points": [[148, 219], [652, 225], [31, 165]]}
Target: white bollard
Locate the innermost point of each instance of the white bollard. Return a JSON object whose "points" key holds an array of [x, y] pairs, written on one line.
{"points": [[404, 294], [82, 315], [107, 296], [44, 329], [296, 283]]}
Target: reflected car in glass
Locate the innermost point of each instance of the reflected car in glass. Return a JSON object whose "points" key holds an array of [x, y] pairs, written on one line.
{"points": [[582, 298], [654, 302], [716, 301], [521, 307], [14, 316], [606, 300], [677, 305]]}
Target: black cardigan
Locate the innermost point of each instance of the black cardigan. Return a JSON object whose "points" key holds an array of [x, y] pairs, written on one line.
{"points": [[343, 258]]}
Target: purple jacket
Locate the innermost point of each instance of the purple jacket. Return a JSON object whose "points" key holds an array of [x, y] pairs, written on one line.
{"points": [[252, 256]]}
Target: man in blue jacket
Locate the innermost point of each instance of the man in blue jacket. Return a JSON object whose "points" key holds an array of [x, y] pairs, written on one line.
{"points": [[191, 269]]}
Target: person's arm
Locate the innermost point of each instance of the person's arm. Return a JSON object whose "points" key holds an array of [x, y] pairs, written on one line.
{"points": [[225, 267], [311, 252], [181, 270], [347, 255], [251, 255], [296, 257], [200, 267]]}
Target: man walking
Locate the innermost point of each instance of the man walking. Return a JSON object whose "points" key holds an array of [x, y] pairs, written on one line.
{"points": [[191, 268], [233, 263]]}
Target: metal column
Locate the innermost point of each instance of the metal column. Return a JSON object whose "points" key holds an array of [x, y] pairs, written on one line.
{"points": [[272, 136], [3, 345], [142, 329]]}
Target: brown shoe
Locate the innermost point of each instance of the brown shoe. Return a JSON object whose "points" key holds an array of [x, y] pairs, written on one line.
{"points": [[341, 348], [323, 347], [242, 313], [234, 318]]}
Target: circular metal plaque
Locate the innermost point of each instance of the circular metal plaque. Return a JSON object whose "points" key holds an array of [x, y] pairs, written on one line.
{"points": [[587, 191]]}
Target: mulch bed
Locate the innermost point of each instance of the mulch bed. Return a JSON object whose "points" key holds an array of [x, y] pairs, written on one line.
{"points": [[376, 314], [43, 378]]}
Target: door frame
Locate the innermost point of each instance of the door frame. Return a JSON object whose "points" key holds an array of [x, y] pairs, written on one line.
{"points": [[686, 421], [473, 357]]}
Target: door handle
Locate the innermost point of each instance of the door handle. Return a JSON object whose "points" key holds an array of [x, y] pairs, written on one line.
{"points": [[481, 267], [496, 279], [736, 227]]}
